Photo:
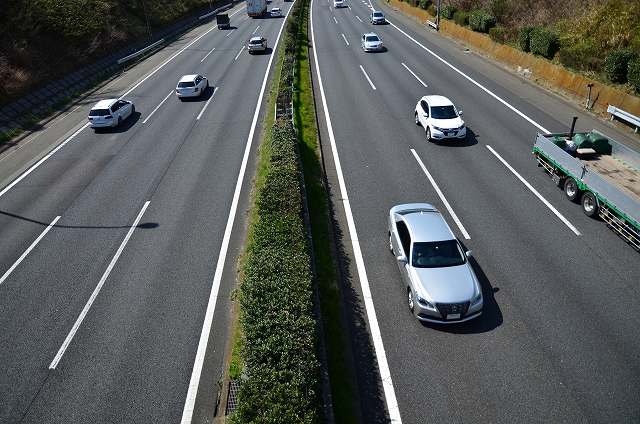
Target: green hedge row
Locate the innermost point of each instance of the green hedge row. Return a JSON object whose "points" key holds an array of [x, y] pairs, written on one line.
{"points": [[543, 42], [481, 21], [616, 64], [275, 294], [448, 11], [461, 18]]}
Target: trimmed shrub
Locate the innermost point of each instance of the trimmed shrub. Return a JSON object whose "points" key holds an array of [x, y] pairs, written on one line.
{"points": [[461, 18], [524, 39], [448, 11], [543, 42], [498, 34], [424, 4], [616, 63], [481, 21], [432, 10], [582, 56], [633, 73]]}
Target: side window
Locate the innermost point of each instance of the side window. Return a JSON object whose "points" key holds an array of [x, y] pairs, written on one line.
{"points": [[198, 79], [405, 238], [425, 107], [115, 107]]}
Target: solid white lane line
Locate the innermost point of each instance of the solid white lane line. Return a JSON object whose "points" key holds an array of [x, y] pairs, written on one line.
{"points": [[358, 18], [414, 74], [441, 195], [482, 87], [255, 30], [187, 412], [207, 55], [345, 39], [367, 77], [29, 249], [335, 20], [229, 33], [215, 90], [96, 291], [535, 192], [157, 107], [41, 161], [381, 356], [239, 53]]}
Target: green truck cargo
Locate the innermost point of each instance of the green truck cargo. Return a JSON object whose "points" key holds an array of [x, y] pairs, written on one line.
{"points": [[600, 173]]}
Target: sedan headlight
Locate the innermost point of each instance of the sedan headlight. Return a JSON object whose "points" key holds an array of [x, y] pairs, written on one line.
{"points": [[461, 127], [440, 129], [424, 302], [477, 299]]}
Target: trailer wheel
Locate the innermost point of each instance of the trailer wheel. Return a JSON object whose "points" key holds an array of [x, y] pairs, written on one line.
{"points": [[590, 204], [571, 189]]}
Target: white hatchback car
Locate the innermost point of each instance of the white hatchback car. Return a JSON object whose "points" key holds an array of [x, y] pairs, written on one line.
{"points": [[192, 86], [276, 12], [110, 113], [439, 118], [338, 4]]}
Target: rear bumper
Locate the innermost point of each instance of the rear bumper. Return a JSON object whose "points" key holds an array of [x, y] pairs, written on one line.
{"points": [[111, 123]]}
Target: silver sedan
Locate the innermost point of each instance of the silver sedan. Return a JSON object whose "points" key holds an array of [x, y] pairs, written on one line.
{"points": [[440, 283]]}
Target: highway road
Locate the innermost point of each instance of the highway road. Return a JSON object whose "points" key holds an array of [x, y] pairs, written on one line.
{"points": [[114, 269], [559, 337]]}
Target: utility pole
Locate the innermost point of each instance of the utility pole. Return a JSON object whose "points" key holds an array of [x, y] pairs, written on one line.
{"points": [[438, 16]]}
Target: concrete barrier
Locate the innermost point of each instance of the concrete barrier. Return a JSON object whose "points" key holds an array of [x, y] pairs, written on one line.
{"points": [[554, 75]]}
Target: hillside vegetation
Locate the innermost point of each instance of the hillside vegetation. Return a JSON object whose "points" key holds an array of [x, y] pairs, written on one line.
{"points": [[43, 39], [598, 37]]}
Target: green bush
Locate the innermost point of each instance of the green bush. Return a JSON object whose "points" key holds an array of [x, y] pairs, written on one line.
{"points": [[543, 42], [424, 4], [461, 18], [481, 21], [448, 11], [633, 73], [432, 10], [524, 39], [498, 34], [582, 56], [616, 63]]}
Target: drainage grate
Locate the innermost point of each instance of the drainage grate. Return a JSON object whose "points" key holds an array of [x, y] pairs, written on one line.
{"points": [[232, 396]]}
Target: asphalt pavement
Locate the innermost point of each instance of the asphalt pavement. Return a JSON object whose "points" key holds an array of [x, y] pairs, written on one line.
{"points": [[110, 245], [558, 339]]}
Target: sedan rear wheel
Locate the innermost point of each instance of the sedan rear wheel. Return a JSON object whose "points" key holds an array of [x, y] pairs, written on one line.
{"points": [[417, 119], [428, 133], [410, 303], [390, 244]]}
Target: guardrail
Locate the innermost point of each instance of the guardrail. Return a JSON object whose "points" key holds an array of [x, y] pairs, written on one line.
{"points": [[220, 9], [140, 52], [614, 111]]}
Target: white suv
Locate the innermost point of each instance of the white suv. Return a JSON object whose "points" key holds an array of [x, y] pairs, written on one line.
{"points": [[338, 3], [110, 113], [192, 86], [439, 118]]}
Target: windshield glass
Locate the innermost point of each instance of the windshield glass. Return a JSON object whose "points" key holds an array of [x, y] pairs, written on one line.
{"points": [[437, 254], [372, 38], [255, 42], [186, 84], [99, 112], [443, 112], [377, 14]]}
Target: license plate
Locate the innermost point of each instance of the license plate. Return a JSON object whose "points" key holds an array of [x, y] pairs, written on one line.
{"points": [[453, 316]]}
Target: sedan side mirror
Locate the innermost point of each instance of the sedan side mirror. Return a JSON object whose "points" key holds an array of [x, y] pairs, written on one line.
{"points": [[402, 258], [459, 113], [469, 253]]}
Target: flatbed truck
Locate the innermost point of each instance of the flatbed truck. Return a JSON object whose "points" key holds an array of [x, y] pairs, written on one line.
{"points": [[600, 173]]}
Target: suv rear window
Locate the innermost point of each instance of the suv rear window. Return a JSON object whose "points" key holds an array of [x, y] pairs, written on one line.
{"points": [[186, 84], [255, 42], [99, 112]]}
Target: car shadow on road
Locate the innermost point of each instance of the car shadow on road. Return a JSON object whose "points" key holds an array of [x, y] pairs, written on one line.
{"points": [[144, 225], [124, 125], [470, 140], [201, 98], [491, 317]]}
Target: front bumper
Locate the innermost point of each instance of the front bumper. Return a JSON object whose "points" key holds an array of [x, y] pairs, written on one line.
{"points": [[429, 315], [373, 49], [448, 134], [377, 21]]}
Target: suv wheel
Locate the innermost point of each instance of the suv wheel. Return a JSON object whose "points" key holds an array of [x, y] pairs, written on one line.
{"points": [[410, 303], [415, 115]]}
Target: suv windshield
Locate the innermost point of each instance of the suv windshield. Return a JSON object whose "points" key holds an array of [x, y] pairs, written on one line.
{"points": [[99, 112], [437, 254], [443, 112], [372, 38], [377, 14], [255, 42], [186, 84]]}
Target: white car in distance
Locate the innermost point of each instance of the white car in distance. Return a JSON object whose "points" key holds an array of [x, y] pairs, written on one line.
{"points": [[439, 118], [110, 113], [370, 42], [338, 4], [276, 12], [192, 86], [257, 44]]}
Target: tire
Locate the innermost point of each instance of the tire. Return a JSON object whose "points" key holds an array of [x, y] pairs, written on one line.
{"points": [[590, 204], [133, 110], [571, 189], [428, 134], [415, 115], [410, 301], [390, 244]]}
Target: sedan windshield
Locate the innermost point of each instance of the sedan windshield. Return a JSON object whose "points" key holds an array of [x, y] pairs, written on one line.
{"points": [[437, 254], [377, 14], [372, 38], [443, 112], [255, 42]]}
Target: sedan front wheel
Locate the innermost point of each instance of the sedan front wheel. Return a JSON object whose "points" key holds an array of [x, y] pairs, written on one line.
{"points": [[428, 134], [417, 119], [410, 303]]}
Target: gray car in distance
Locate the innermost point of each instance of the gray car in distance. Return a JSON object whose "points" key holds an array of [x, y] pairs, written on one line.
{"points": [[441, 286]]}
